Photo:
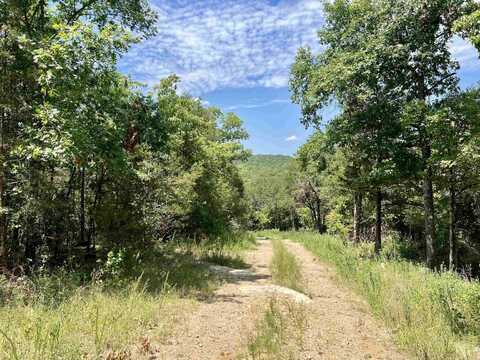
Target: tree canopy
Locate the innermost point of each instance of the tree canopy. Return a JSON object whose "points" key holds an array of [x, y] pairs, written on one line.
{"points": [[92, 162], [388, 66]]}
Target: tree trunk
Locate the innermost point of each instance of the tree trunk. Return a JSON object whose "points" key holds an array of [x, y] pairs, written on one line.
{"points": [[82, 207], [357, 216], [452, 239], [3, 195], [428, 207], [3, 216], [292, 215], [428, 204], [378, 222], [318, 216], [320, 220], [92, 227]]}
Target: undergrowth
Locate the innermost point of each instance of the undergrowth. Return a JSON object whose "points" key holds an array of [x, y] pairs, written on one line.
{"points": [[434, 315], [226, 251], [119, 312]]}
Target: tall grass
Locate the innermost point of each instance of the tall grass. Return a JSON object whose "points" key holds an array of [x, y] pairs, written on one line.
{"points": [[121, 313], [279, 333], [285, 269], [88, 325], [433, 315]]}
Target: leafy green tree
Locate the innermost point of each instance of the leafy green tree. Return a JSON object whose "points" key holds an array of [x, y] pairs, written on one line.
{"points": [[89, 162], [382, 55], [348, 72], [468, 26], [456, 125]]}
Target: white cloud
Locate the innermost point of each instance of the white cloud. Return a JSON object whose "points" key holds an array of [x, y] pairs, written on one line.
{"points": [[214, 44], [291, 138], [258, 105], [464, 52]]}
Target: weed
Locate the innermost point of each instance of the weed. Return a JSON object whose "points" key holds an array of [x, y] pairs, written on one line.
{"points": [[65, 316], [279, 333], [285, 268]]}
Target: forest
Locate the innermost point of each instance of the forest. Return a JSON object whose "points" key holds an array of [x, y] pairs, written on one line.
{"points": [[90, 161], [406, 142], [401, 159], [127, 209], [87, 154]]}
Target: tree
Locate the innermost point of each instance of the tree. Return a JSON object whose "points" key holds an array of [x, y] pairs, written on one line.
{"points": [[90, 163], [383, 54], [468, 26], [348, 72], [456, 122]]}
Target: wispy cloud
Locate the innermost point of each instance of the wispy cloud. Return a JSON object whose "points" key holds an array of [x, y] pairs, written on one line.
{"points": [[465, 53], [259, 105], [291, 138], [214, 44]]}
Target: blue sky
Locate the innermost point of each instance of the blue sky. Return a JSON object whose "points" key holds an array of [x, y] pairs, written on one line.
{"points": [[236, 55]]}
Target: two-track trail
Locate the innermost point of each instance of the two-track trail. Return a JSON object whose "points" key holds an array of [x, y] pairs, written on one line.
{"points": [[339, 325]]}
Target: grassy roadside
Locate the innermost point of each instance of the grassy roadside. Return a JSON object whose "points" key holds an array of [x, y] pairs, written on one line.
{"points": [[127, 308], [433, 315]]}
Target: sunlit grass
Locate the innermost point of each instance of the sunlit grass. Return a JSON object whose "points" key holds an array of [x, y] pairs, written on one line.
{"points": [[285, 268], [279, 333], [433, 315], [123, 312]]}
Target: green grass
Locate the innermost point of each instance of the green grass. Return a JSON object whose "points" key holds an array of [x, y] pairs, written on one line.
{"points": [[285, 269], [228, 251], [128, 307], [433, 315], [279, 332]]}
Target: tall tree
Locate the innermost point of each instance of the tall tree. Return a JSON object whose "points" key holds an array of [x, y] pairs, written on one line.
{"points": [[384, 53], [348, 72]]}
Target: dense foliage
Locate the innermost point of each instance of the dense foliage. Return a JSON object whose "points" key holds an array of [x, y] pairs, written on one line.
{"points": [[90, 163], [268, 186], [403, 153]]}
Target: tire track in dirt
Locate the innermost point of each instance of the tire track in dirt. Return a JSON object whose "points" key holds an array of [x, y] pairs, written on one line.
{"points": [[339, 325], [220, 327]]}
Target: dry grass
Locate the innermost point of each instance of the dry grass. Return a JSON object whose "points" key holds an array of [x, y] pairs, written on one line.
{"points": [[89, 325], [123, 313]]}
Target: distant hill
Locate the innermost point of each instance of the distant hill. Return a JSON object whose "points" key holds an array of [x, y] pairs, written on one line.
{"points": [[267, 163], [266, 178]]}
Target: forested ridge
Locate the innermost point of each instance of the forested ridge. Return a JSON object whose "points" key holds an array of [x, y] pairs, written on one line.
{"points": [[268, 179]]}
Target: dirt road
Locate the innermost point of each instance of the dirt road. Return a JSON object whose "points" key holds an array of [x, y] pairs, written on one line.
{"points": [[339, 325]]}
